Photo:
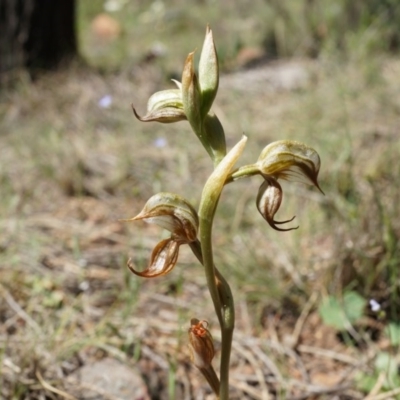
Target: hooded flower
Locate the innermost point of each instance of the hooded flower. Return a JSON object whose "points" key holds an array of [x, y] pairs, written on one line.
{"points": [[165, 106], [283, 159], [289, 160], [175, 214]]}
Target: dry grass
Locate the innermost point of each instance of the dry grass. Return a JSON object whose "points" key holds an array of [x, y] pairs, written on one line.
{"points": [[70, 170]]}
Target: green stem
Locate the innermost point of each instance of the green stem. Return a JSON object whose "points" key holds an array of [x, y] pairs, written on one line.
{"points": [[228, 322], [227, 335], [208, 261], [222, 299], [216, 152], [223, 288], [218, 287], [243, 172]]}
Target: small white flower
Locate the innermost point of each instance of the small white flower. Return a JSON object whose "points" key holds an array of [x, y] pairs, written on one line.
{"points": [[375, 306], [105, 101], [160, 142]]}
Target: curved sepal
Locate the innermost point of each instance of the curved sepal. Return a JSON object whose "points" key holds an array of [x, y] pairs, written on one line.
{"points": [[163, 260], [269, 199]]}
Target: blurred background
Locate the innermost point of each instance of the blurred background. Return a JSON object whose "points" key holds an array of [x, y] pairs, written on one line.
{"points": [[318, 308]]}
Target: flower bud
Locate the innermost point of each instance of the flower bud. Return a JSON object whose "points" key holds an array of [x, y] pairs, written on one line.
{"points": [[201, 344], [173, 213], [191, 97], [208, 73], [269, 199], [165, 106], [290, 160]]}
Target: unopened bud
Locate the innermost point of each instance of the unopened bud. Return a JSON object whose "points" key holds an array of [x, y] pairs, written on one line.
{"points": [[201, 344], [208, 73], [191, 97]]}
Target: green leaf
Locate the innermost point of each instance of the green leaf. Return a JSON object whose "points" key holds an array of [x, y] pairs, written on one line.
{"points": [[331, 313], [384, 363], [365, 382], [339, 314], [354, 306], [392, 331], [387, 364]]}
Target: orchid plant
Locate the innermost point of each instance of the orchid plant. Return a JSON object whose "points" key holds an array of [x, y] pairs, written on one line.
{"points": [[284, 159]]}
